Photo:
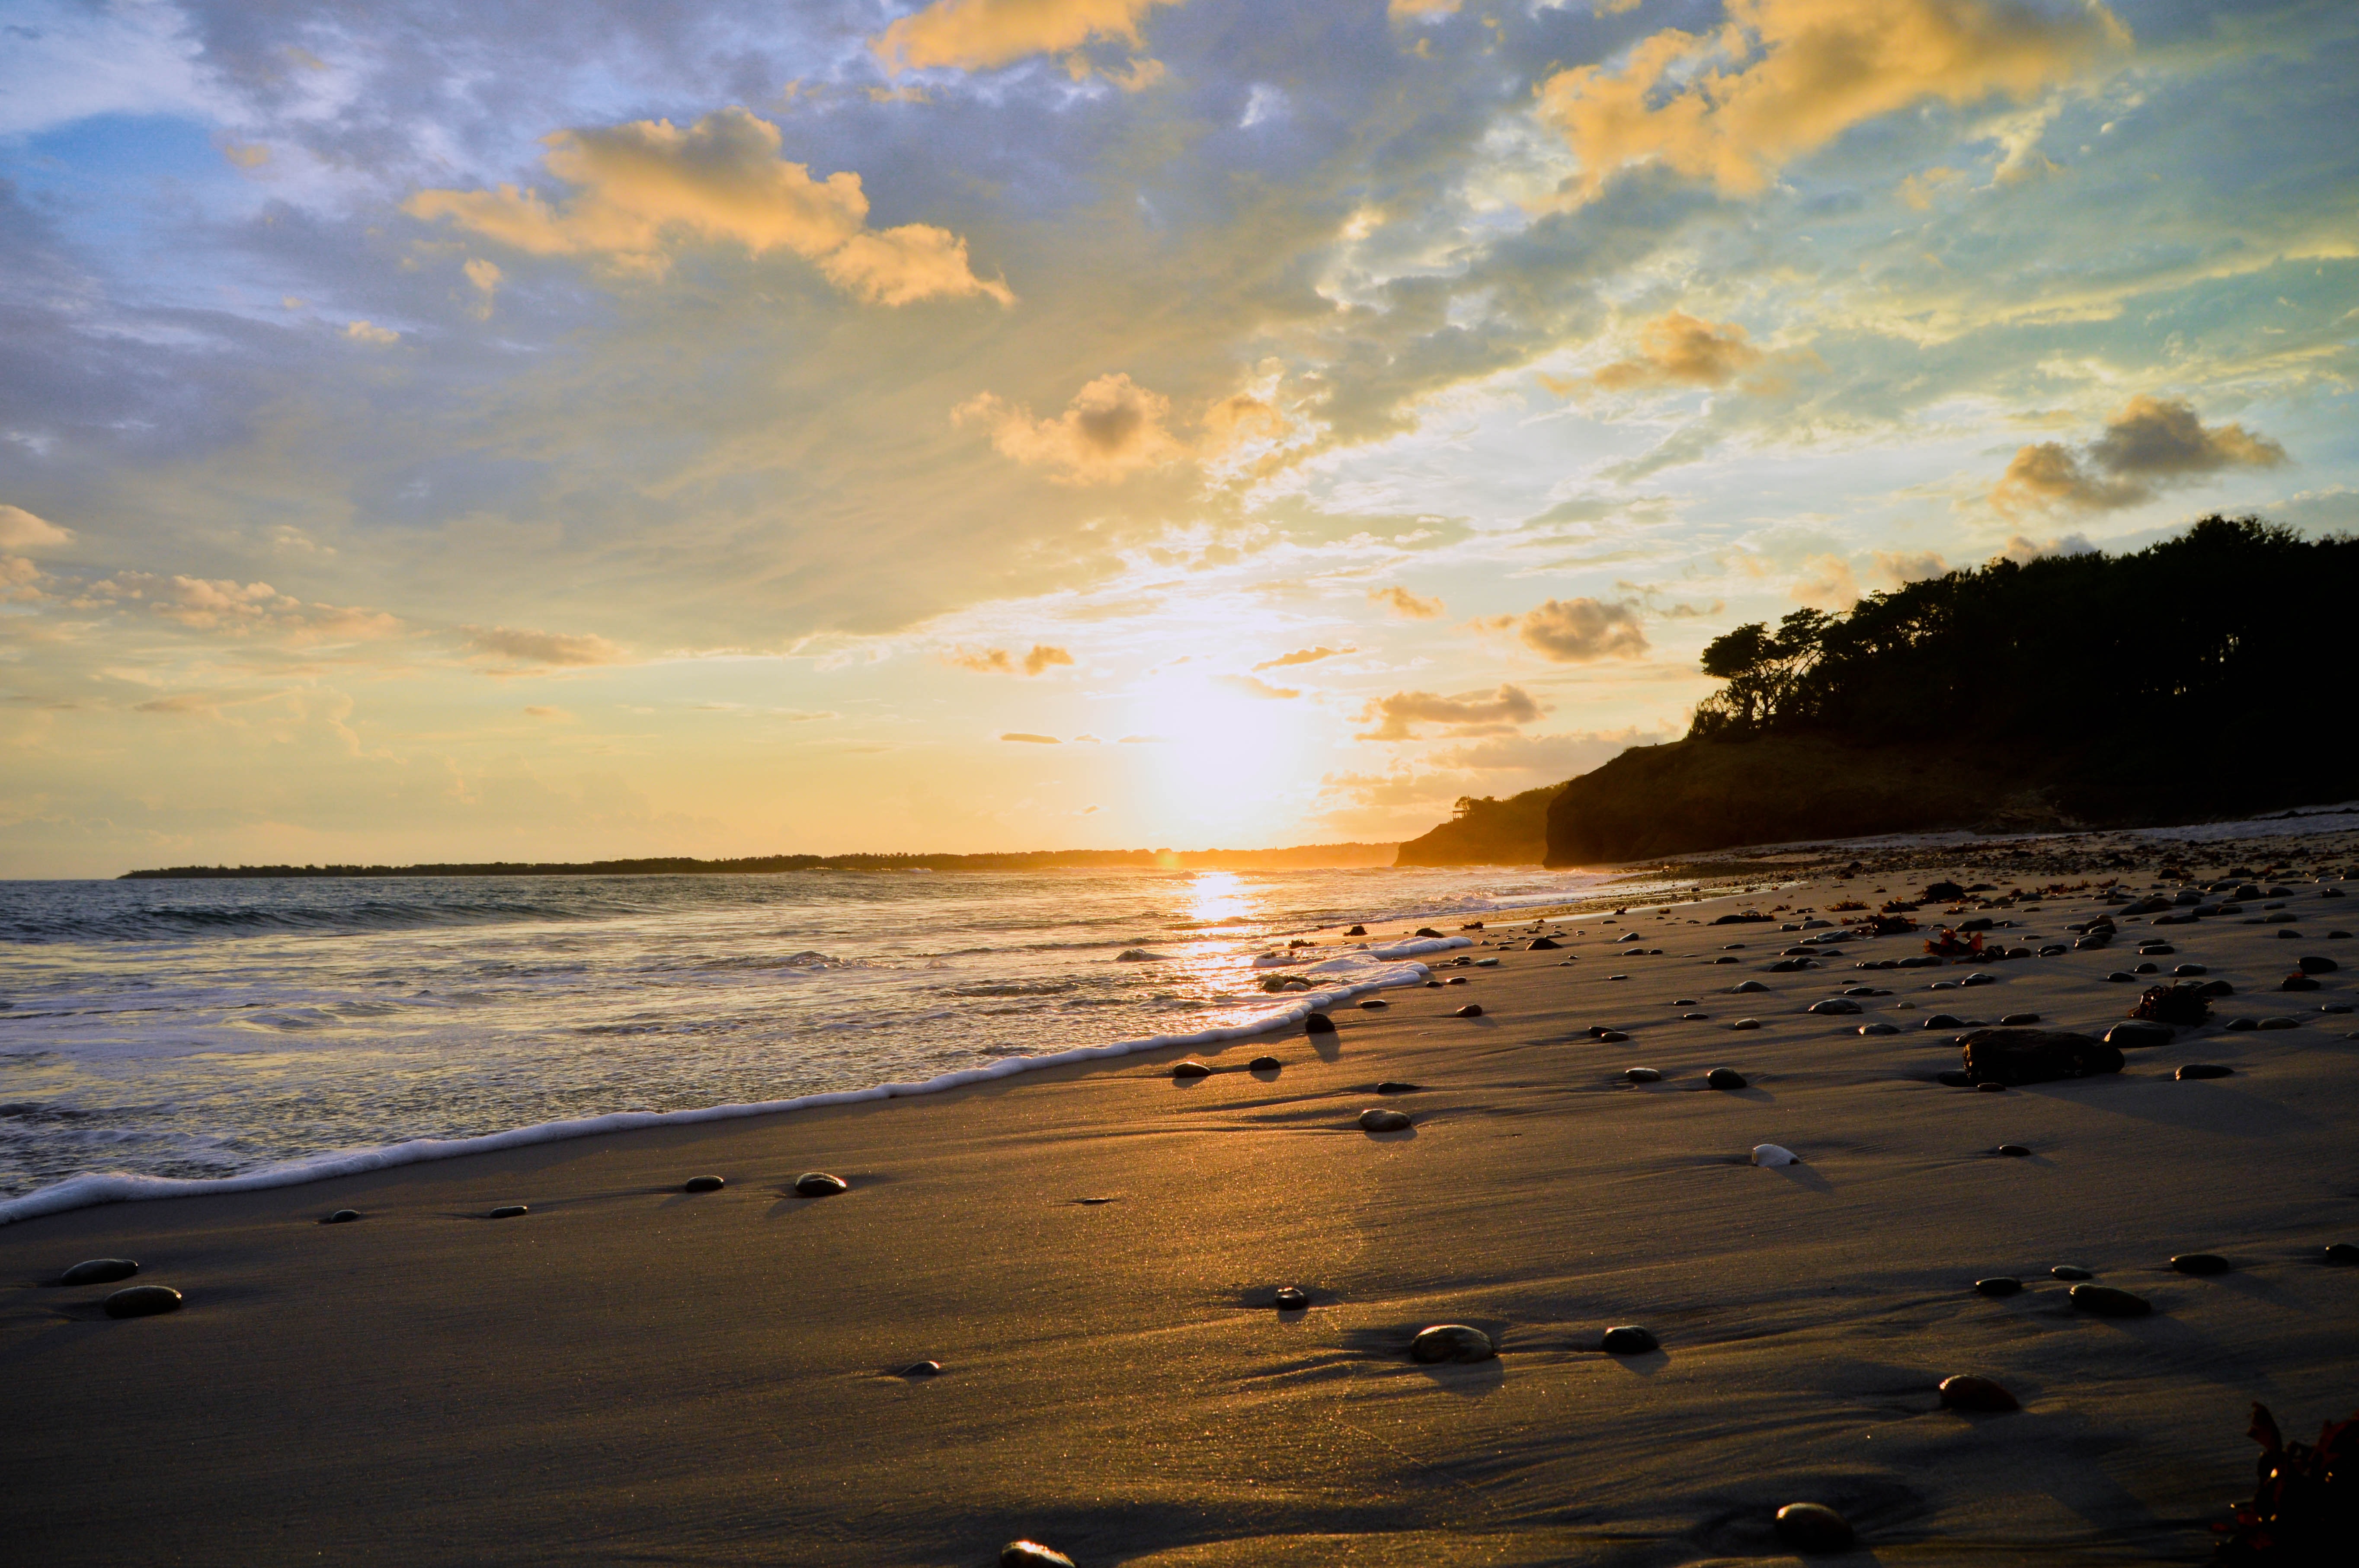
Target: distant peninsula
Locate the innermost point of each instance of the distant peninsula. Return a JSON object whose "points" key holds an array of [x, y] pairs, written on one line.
{"points": [[1298, 857]]}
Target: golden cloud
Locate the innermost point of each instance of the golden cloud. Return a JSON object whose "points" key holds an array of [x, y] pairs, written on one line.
{"points": [[1578, 631], [20, 530], [527, 649], [976, 35], [1303, 656], [642, 188], [1784, 78], [1480, 713], [999, 661], [1677, 350], [1113, 428], [2151, 444], [1248, 686], [1405, 604]]}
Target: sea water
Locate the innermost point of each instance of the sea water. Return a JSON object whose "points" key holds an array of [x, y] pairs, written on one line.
{"points": [[250, 1032]]}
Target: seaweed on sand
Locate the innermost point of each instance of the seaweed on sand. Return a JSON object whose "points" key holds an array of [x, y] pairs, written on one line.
{"points": [[2306, 1509], [2180, 1004]]}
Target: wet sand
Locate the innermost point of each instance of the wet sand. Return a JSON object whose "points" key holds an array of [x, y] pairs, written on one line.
{"points": [[632, 1373]]}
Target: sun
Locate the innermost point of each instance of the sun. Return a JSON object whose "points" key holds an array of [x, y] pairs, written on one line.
{"points": [[1226, 764]]}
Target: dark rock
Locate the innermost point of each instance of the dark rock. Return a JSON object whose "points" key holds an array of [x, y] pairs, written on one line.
{"points": [[510, 1211], [99, 1271], [2122, 977], [1942, 892], [1814, 1527], [1643, 1075], [1451, 1342], [2013, 1151], [703, 1185], [2036, 1057], [2019, 1020], [2315, 966], [1991, 1087], [1455, 981], [1879, 1029], [1629, 1339], [1746, 987], [819, 1185], [2211, 989], [1724, 1078], [1943, 1020], [1292, 1298], [1472, 1009], [1542, 945], [341, 1216], [1427, 931], [2106, 1302], [2070, 1271], [1998, 1285], [2288, 932], [1191, 1069], [1954, 1078], [1792, 965], [1264, 1065], [1611, 1036], [1744, 1023], [2139, 1036], [1031, 1554], [1834, 1006], [143, 1301], [2242, 1025], [1391, 1087], [1374, 1004], [920, 1370], [2205, 1070], [2279, 1024], [2343, 1254], [1977, 1394], [1317, 1023], [1378, 1120], [2297, 983], [1356, 931], [2200, 1263]]}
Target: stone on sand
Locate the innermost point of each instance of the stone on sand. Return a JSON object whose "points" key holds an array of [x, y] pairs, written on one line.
{"points": [[510, 1211], [2036, 1057], [1771, 1155], [1393, 1087], [1264, 1065], [1292, 1298], [1377, 1119], [703, 1185], [2204, 1070], [1999, 1285], [1451, 1342], [1965, 1393], [2137, 1035], [2200, 1263], [1376, 1004], [1319, 1023], [341, 1216], [1191, 1069], [2106, 1302], [2343, 1254], [1472, 1009], [819, 1185], [1629, 1339], [1032, 1554], [2070, 1271], [1724, 1078], [920, 1370], [99, 1271], [1643, 1075], [143, 1301], [1813, 1526], [2013, 1151]]}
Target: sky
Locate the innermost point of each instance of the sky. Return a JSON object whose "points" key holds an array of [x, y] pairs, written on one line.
{"points": [[556, 429]]}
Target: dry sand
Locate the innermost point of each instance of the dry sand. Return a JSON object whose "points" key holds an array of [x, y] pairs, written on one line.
{"points": [[629, 1373]]}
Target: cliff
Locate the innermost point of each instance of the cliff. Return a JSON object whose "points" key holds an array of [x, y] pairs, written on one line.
{"points": [[1487, 832]]}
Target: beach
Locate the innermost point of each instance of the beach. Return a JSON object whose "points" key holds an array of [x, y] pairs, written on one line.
{"points": [[631, 1372]]}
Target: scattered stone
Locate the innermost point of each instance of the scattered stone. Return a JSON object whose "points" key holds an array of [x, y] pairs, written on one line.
{"points": [[1264, 1065], [1191, 1069], [1999, 1285], [2070, 1271], [1724, 1078], [2036, 1057], [99, 1271], [1943, 1020], [1834, 1007], [1031, 1554], [2138, 1036], [703, 1185], [1629, 1339], [1374, 1004], [510, 1211], [341, 1216], [2315, 966], [2018, 1020], [1472, 1009], [1455, 981], [920, 1370], [2242, 1025], [2204, 1070], [1427, 931], [2200, 1263], [1977, 1394], [1744, 1023], [2122, 977], [1317, 1023], [819, 1185], [1451, 1342], [1375, 1119], [1356, 931], [1611, 1036], [2343, 1254], [2297, 982], [2014, 1150], [1813, 1526], [2107, 1302], [2279, 1024], [143, 1301], [1643, 1075], [1991, 1086], [1542, 945], [1390, 1087], [1879, 1029], [1292, 1298], [1771, 1155]]}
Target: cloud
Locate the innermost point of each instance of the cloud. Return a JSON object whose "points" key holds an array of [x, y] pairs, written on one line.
{"points": [[1782, 78], [1558, 756], [20, 530], [1677, 350], [1145, 741], [1249, 687], [2021, 549], [485, 277], [1113, 430], [1405, 604], [999, 661], [368, 333], [1303, 656], [2151, 445], [1827, 582], [1031, 740], [181, 702], [540, 650], [556, 714], [1577, 631], [1422, 10], [977, 35], [1475, 714], [1898, 569], [243, 609], [644, 187]]}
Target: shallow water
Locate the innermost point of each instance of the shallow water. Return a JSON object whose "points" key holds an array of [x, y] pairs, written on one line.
{"points": [[208, 1029]]}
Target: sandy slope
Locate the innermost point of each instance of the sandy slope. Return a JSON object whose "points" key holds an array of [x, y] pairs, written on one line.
{"points": [[629, 1373]]}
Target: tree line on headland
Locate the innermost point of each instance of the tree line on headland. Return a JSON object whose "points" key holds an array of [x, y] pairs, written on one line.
{"points": [[2194, 677]]}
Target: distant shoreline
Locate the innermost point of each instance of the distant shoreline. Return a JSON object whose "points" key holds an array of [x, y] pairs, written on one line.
{"points": [[1299, 857]]}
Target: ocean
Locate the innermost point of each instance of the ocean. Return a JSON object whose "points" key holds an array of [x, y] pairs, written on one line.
{"points": [[252, 1032]]}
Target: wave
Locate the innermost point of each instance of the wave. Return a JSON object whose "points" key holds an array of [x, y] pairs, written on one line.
{"points": [[1356, 974], [181, 922]]}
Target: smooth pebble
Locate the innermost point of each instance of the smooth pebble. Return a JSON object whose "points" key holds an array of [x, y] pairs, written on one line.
{"points": [[1966, 1392], [99, 1271], [1451, 1342], [1814, 1527], [143, 1301], [819, 1185]]}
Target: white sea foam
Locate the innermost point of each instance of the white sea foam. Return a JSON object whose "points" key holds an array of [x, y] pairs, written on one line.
{"points": [[1354, 974]]}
